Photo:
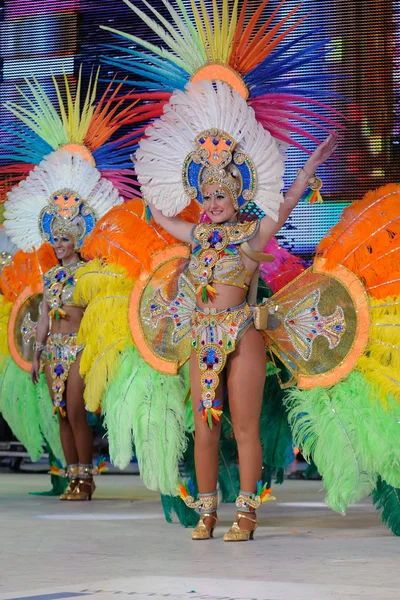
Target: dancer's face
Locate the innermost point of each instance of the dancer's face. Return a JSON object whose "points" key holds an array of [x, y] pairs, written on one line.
{"points": [[217, 202], [64, 248]]}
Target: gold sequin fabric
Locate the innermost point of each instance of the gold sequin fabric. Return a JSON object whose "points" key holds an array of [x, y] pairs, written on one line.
{"points": [[216, 256], [59, 285], [61, 352]]}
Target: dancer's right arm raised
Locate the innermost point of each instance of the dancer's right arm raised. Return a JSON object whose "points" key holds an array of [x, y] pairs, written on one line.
{"points": [[174, 225]]}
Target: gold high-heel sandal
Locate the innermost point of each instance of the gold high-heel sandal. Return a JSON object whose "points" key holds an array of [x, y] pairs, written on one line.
{"points": [[201, 531], [85, 486], [81, 494], [237, 534], [248, 503], [72, 473], [207, 503]]}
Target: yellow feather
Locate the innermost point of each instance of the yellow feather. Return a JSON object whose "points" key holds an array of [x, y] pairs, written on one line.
{"points": [[217, 32], [207, 24], [104, 330], [232, 27], [5, 310], [88, 107], [381, 363], [63, 112], [200, 27]]}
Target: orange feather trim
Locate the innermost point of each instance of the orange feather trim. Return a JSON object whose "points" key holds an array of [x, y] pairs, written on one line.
{"points": [[26, 269], [367, 241], [124, 238]]}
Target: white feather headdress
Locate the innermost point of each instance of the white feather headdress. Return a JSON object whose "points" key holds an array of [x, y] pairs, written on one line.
{"points": [[31, 206], [205, 105]]}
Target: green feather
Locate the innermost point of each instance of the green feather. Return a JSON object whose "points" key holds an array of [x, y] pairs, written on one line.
{"points": [[149, 406], [173, 505], [276, 437], [386, 498], [19, 406], [193, 30], [350, 436]]}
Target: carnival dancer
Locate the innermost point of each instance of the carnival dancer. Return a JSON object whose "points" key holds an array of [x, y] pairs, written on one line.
{"points": [[79, 176], [236, 161], [56, 340], [64, 196]]}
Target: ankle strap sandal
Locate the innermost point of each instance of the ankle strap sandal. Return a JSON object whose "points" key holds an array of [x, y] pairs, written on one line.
{"points": [[237, 534], [206, 504]]}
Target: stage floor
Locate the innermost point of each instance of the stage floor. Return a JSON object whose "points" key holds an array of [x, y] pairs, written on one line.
{"points": [[119, 546]]}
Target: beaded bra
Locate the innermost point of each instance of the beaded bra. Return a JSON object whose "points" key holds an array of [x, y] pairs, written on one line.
{"points": [[216, 256], [59, 287]]}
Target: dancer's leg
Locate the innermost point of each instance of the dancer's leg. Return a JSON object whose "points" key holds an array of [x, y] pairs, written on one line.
{"points": [[77, 415], [245, 379], [206, 439], [66, 434]]}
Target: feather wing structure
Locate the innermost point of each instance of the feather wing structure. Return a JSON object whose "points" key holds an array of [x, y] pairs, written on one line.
{"points": [[367, 241], [351, 430], [104, 289], [112, 237]]}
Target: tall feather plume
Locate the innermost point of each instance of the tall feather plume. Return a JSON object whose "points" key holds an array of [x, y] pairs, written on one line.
{"points": [[104, 330], [349, 435], [18, 407], [147, 408]]}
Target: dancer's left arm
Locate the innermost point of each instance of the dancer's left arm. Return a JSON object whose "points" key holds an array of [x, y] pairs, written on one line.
{"points": [[269, 227]]}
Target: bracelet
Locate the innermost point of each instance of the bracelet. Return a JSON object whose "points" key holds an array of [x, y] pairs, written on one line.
{"points": [[38, 347], [314, 182]]}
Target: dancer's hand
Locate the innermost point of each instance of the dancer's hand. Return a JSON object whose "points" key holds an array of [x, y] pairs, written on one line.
{"points": [[322, 153], [35, 370]]}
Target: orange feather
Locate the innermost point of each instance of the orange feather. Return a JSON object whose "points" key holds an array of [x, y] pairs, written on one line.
{"points": [[254, 41], [367, 241], [237, 36], [26, 269], [249, 30], [251, 59]]}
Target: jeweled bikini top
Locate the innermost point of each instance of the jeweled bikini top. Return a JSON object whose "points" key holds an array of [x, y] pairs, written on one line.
{"points": [[59, 287], [216, 256]]}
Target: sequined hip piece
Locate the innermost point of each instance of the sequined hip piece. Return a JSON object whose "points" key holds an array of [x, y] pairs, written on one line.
{"points": [[61, 352], [214, 336]]}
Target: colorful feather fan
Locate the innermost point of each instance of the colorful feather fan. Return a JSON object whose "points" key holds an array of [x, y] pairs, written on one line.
{"points": [[256, 58], [85, 129], [26, 269]]}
